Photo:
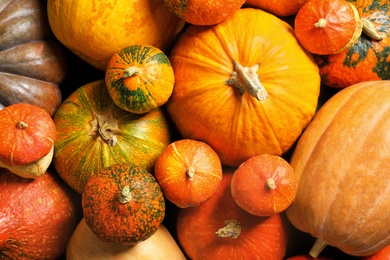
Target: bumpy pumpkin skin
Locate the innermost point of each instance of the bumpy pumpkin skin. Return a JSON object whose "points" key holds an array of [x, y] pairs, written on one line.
{"points": [[120, 218], [367, 59], [93, 133], [234, 123], [32, 65], [342, 167], [95, 30]]}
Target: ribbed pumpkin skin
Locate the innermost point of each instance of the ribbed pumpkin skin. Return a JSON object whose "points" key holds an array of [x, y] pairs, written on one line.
{"points": [[80, 150], [342, 169], [204, 107], [147, 86], [365, 60], [123, 223], [95, 30]]}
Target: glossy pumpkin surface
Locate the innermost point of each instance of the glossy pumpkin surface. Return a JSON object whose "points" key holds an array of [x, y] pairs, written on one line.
{"points": [[341, 162], [27, 133], [139, 78], [93, 133], [96, 30], [264, 185], [189, 172], [243, 92], [327, 26], [366, 60], [123, 204], [220, 229], [277, 7], [32, 65]]}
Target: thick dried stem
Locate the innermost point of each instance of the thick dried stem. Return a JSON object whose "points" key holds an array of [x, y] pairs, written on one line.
{"points": [[317, 248], [130, 71], [370, 30], [321, 23], [270, 183], [232, 229], [125, 195], [21, 125]]}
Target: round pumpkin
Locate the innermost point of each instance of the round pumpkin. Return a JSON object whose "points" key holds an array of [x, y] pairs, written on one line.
{"points": [[368, 58], [200, 12], [189, 172], [382, 254], [243, 92], [139, 78], [220, 229], [93, 133], [277, 7], [342, 166], [95, 30], [264, 185], [123, 204], [84, 244], [32, 65], [327, 26]]}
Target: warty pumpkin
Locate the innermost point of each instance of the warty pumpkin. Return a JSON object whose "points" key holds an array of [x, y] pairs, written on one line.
{"points": [[32, 64], [95, 30], [243, 92], [342, 169], [92, 133]]}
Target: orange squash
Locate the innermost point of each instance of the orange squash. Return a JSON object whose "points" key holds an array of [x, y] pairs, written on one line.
{"points": [[277, 7], [327, 26], [383, 254], [95, 30], [189, 172], [342, 167], [243, 92]]}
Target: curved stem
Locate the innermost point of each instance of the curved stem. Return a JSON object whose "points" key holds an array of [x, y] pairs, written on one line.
{"points": [[370, 30], [125, 195], [104, 126], [317, 248], [232, 229], [321, 23], [130, 71], [190, 173]]}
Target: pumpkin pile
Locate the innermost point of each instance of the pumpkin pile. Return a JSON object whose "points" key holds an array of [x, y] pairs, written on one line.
{"points": [[170, 129]]}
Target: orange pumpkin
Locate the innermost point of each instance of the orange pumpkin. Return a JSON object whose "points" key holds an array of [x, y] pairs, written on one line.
{"points": [[342, 167], [383, 254], [277, 7], [264, 185], [243, 92], [189, 172], [95, 30], [327, 26]]}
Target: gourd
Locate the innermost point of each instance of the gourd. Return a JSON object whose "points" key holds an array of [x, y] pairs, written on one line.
{"points": [[384, 253], [93, 133], [341, 162], [189, 172], [277, 7], [220, 229], [243, 92], [139, 78], [32, 64], [368, 58], [327, 26], [200, 12], [38, 216], [123, 204], [95, 30], [84, 244]]}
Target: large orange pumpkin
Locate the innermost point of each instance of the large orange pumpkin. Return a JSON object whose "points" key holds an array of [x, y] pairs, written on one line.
{"points": [[96, 29], [342, 169], [243, 91]]}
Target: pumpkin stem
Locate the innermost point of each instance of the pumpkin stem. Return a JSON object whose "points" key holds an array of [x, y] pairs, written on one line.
{"points": [[321, 23], [105, 127], [190, 173], [270, 183], [232, 229], [21, 125], [125, 195], [370, 30], [246, 79], [130, 71], [317, 248]]}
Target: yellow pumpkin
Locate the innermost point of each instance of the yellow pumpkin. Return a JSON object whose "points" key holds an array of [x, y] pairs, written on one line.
{"points": [[96, 29]]}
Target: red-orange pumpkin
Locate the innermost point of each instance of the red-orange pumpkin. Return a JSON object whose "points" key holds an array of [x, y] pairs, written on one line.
{"points": [[383, 254], [277, 7]]}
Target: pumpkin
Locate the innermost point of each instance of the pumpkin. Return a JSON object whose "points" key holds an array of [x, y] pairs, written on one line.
{"points": [[277, 7], [94, 133], [84, 244], [307, 257], [189, 172], [220, 229], [243, 92], [96, 30], [123, 204], [327, 26], [368, 58], [264, 185], [27, 134], [32, 65], [139, 78], [382, 254], [200, 12], [38, 216], [341, 162]]}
